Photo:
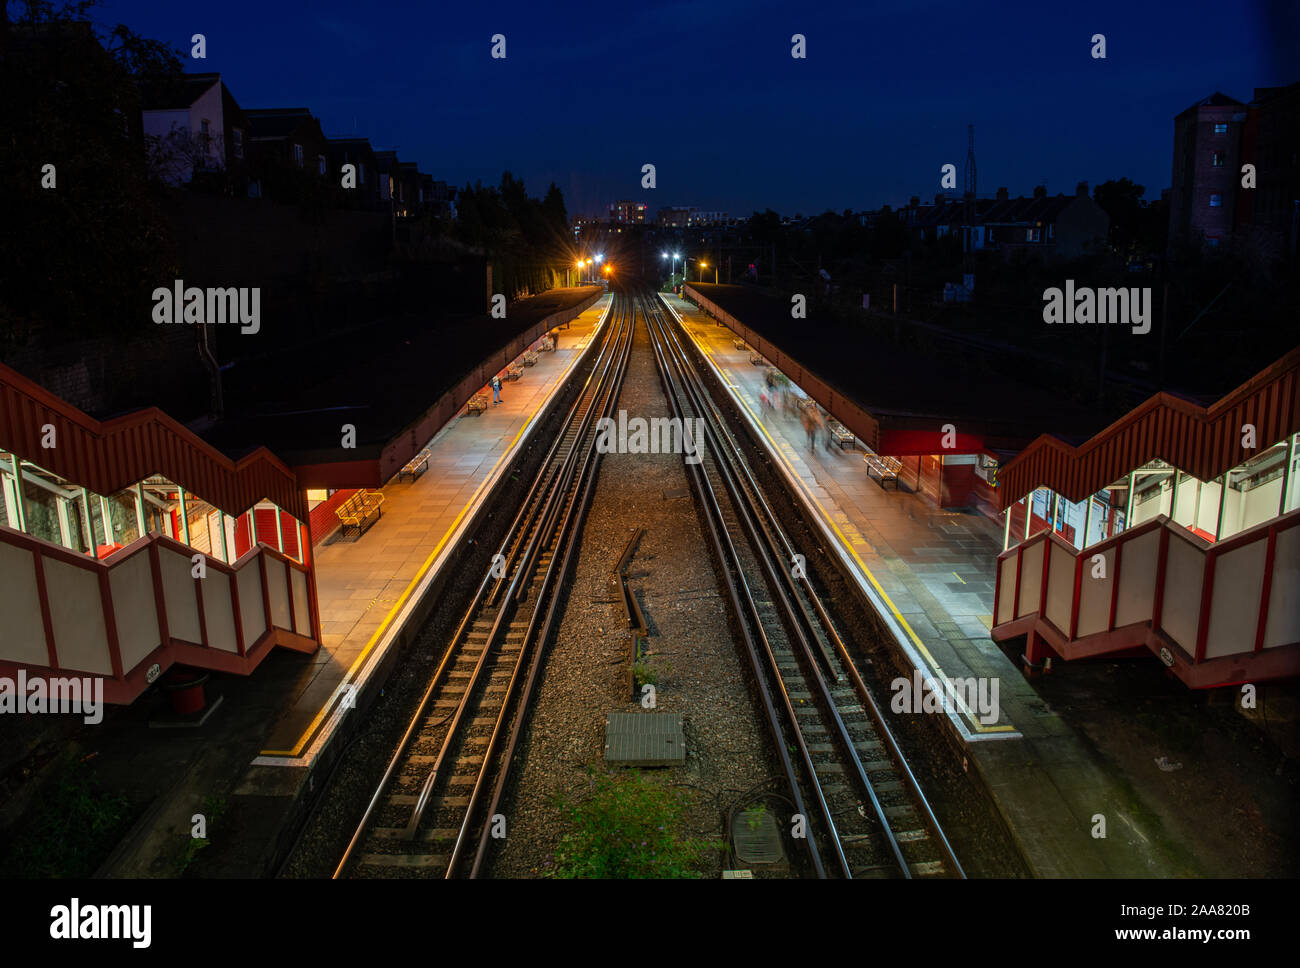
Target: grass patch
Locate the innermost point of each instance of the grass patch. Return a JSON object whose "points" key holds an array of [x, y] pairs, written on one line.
{"points": [[628, 827], [71, 830]]}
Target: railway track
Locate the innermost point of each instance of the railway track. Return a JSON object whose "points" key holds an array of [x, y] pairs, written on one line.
{"points": [[865, 813], [435, 810]]}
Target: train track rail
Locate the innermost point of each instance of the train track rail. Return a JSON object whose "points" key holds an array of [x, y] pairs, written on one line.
{"points": [[864, 812], [435, 811]]}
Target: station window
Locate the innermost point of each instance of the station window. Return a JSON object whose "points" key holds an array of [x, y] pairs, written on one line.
{"points": [[1216, 201], [1217, 159], [1221, 128]]}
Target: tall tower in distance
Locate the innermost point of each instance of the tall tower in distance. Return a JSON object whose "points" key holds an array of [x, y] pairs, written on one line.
{"points": [[969, 228]]}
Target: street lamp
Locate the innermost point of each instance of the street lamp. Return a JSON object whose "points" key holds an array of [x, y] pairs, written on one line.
{"points": [[702, 266]]}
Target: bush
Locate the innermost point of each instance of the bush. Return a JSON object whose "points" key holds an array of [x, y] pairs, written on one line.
{"points": [[628, 828]]}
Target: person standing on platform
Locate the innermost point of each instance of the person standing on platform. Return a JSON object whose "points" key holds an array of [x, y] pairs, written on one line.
{"points": [[496, 390], [806, 419]]}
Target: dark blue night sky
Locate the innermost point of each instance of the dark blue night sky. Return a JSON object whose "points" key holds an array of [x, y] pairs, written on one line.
{"points": [[709, 93]]}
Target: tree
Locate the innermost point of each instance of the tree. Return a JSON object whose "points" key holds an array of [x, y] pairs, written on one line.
{"points": [[1121, 199], [91, 248]]}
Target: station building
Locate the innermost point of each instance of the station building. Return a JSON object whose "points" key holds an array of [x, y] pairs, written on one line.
{"points": [[1175, 530]]}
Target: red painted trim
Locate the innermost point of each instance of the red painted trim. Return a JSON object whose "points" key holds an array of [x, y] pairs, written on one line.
{"points": [[110, 624], [107, 456], [47, 619], [203, 620], [997, 587], [1266, 592], [309, 562], [159, 599], [1020, 564], [1078, 588], [288, 587], [1114, 588], [1207, 597], [239, 618], [1162, 560], [1042, 591], [1164, 425], [266, 593]]}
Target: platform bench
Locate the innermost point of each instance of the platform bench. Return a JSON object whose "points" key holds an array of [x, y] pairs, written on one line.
{"points": [[755, 357], [478, 403], [359, 512], [739, 344], [530, 358], [514, 371], [416, 466], [548, 344], [843, 436], [883, 469]]}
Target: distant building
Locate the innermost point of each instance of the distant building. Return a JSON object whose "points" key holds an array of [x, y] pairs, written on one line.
{"points": [[627, 213], [675, 216], [1213, 140], [357, 151], [285, 144], [1045, 227], [1207, 169], [708, 218], [193, 126]]}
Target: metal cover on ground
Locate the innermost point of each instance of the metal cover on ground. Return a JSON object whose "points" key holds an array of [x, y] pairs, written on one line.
{"points": [[757, 838], [644, 739]]}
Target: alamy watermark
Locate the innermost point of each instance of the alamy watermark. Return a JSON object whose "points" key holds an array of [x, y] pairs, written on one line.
{"points": [[53, 695], [658, 435], [1085, 305], [75, 921], [929, 694], [213, 306]]}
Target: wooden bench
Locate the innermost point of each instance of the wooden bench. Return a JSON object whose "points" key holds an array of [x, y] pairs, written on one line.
{"points": [[478, 403], [360, 511], [806, 403], [416, 466], [883, 469], [530, 358], [755, 356], [548, 344], [842, 435], [739, 344], [514, 371]]}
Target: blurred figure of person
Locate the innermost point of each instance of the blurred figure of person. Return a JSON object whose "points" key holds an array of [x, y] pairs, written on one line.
{"points": [[806, 418]]}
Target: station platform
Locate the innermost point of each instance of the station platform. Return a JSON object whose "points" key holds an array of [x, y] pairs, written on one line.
{"points": [[367, 586], [930, 575]]}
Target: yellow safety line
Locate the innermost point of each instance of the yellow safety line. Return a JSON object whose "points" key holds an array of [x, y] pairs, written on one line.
{"points": [[934, 664], [305, 738]]}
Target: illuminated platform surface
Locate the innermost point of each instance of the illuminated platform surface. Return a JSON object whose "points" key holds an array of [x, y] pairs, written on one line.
{"points": [[930, 573], [366, 585]]}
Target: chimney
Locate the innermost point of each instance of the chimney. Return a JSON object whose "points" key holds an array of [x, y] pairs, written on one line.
{"points": [[1081, 189], [1002, 195], [1040, 191]]}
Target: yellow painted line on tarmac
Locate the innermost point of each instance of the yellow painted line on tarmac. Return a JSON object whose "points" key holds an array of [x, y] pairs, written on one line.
{"points": [[916, 639], [310, 731]]}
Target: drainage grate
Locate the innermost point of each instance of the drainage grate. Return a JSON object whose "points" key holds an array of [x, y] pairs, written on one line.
{"points": [[757, 840], [644, 739]]}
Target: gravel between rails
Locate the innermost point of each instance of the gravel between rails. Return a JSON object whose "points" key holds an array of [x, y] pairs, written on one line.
{"points": [[690, 643]]}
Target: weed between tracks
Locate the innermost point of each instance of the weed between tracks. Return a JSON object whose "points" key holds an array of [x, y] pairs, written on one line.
{"points": [[628, 828]]}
